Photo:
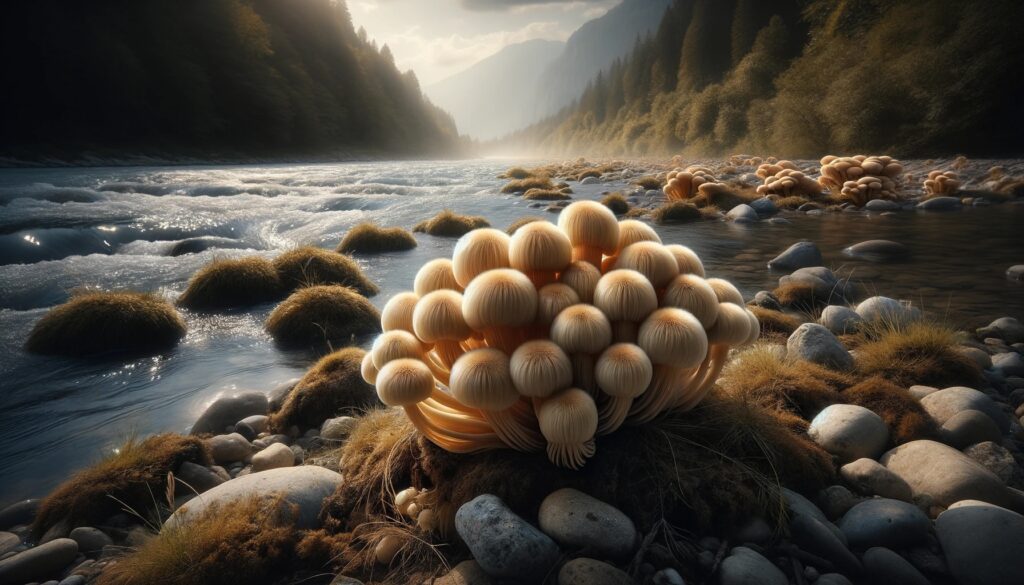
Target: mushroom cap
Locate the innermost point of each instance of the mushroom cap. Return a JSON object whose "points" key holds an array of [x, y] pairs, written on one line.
{"points": [[499, 298], [539, 247], [732, 326], [632, 231], [625, 295], [481, 378], [540, 368], [687, 260], [650, 259], [569, 417], [755, 327], [623, 370], [394, 345], [582, 277], [582, 329], [438, 317], [435, 275], [479, 251], [693, 294], [673, 337], [590, 224], [367, 369], [725, 291], [397, 312], [404, 382], [553, 298]]}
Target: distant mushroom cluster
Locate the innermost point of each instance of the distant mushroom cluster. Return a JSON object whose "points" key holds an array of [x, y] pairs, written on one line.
{"points": [[686, 184], [557, 334], [786, 180], [941, 183], [861, 178]]}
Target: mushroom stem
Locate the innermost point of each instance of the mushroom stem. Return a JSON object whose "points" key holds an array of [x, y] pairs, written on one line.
{"points": [[718, 354], [571, 456], [451, 440], [514, 434], [459, 421], [448, 351], [583, 372], [612, 414]]}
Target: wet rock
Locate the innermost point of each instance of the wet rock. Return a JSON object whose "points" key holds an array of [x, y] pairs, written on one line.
{"points": [[505, 545], [940, 204], [590, 181], [8, 542], [881, 205], [578, 521], [742, 213], [1008, 329], [246, 431], [766, 300], [871, 478], [816, 344], [1010, 363], [880, 309], [19, 513], [849, 432], [813, 536], [968, 427], [338, 428], [779, 221], [745, 566], [277, 396], [801, 506], [273, 457], [946, 403], [668, 576], [978, 356], [228, 410], [884, 522], [884, 567], [984, 545], [836, 500], [305, 487], [229, 448], [1015, 272], [839, 319], [585, 571], [257, 422], [764, 206], [40, 561], [799, 255], [90, 540], [877, 250], [197, 477], [997, 459]]}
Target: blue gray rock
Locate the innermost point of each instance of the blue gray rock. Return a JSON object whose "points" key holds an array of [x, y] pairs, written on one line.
{"points": [[968, 427], [813, 536], [881, 205], [1009, 363], [38, 562], [764, 206], [505, 545], [884, 567], [196, 477], [746, 566], [849, 432], [984, 545], [940, 204], [1008, 329], [799, 255], [884, 522], [742, 213], [228, 410], [8, 542], [584, 571], [840, 319], [90, 540], [19, 513], [871, 478], [880, 309], [816, 344], [580, 522]]}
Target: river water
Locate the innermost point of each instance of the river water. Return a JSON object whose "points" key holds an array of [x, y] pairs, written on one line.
{"points": [[113, 228]]}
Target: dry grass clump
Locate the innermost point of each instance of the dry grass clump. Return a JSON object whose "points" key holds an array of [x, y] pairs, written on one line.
{"points": [[369, 238], [245, 542], [589, 173], [918, 353], [223, 284], [649, 183], [616, 202], [906, 418], [801, 296], [333, 387], [791, 202], [515, 225], [724, 196], [545, 195], [775, 323], [676, 212], [310, 266], [450, 224], [531, 182], [516, 173], [92, 323], [318, 315], [134, 476]]}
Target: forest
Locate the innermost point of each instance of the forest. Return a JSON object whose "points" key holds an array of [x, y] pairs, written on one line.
{"points": [[206, 79], [804, 77]]}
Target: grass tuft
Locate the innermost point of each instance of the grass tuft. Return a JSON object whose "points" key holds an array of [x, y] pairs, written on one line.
{"points": [[527, 183], [312, 266], [369, 238], [649, 183], [450, 224], [322, 315], [676, 212], [616, 202], [918, 353], [775, 323], [906, 418], [224, 284], [545, 195], [515, 225]]}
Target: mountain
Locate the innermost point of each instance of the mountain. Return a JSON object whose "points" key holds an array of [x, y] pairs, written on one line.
{"points": [[802, 78], [212, 78], [489, 98]]}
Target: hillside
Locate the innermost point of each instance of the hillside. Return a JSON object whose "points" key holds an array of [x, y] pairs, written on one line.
{"points": [[798, 78], [480, 98], [210, 78]]}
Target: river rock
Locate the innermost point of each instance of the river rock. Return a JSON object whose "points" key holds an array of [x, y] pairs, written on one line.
{"points": [[801, 506], [883, 309], [338, 428], [742, 213], [766, 300], [978, 356], [997, 459], [8, 542], [984, 545], [940, 204], [1008, 329], [849, 432], [833, 579], [884, 567], [746, 566], [578, 521], [38, 562], [884, 522], [764, 206], [877, 250], [942, 475], [257, 422], [1010, 363], [968, 427], [871, 478], [305, 486], [799, 255], [839, 319], [19, 513], [918, 391], [197, 477], [946, 403], [279, 393], [583, 571], [815, 537], [1015, 272], [228, 410], [465, 573], [836, 500], [505, 545], [881, 205], [229, 448], [90, 540], [273, 457], [590, 181], [816, 344]]}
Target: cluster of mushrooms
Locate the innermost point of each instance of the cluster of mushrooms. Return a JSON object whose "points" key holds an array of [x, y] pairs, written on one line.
{"points": [[785, 179], [683, 184], [861, 178], [941, 183], [557, 334]]}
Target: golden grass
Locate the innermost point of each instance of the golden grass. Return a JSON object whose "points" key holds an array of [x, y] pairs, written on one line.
{"points": [[545, 195], [332, 387], [676, 212], [791, 202], [775, 323], [91, 323], [516, 173], [322, 315], [903, 414], [450, 224], [649, 183], [918, 353], [801, 296], [369, 238], [311, 266], [616, 202], [525, 184], [223, 284], [515, 225], [589, 173], [136, 475], [728, 198]]}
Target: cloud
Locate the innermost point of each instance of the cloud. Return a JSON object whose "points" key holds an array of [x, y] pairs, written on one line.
{"points": [[507, 4]]}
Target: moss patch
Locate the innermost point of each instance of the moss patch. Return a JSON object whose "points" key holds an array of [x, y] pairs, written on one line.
{"points": [[223, 284], [369, 238], [311, 266], [316, 316], [450, 224]]}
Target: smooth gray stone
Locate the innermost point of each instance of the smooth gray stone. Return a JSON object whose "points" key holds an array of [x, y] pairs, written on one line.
{"points": [[228, 410], [871, 478], [90, 540], [884, 567], [277, 396], [40, 561], [1015, 272], [743, 213], [885, 310], [940, 204], [814, 537], [849, 432], [197, 477], [9, 542], [229, 448], [984, 545], [578, 521], [877, 250], [799, 255], [19, 513], [884, 522], [505, 545], [583, 571], [948, 402], [881, 205], [764, 206], [816, 344], [745, 566], [1009, 363], [839, 319]]}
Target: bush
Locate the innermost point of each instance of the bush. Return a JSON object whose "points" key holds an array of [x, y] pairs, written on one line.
{"points": [[676, 212], [368, 238], [223, 284], [310, 266], [450, 224], [92, 323], [319, 315], [616, 202]]}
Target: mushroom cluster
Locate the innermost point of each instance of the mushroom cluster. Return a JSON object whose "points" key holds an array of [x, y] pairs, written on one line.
{"points": [[685, 184], [545, 339], [787, 182], [747, 160], [941, 183], [770, 169], [861, 178]]}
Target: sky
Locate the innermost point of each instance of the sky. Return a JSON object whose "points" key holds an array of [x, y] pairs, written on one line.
{"points": [[437, 38]]}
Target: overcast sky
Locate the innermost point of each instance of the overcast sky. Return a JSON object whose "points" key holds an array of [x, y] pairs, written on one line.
{"points": [[436, 38]]}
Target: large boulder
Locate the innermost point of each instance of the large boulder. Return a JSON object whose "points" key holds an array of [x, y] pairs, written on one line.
{"points": [[816, 344], [306, 487], [581, 522], [948, 402], [745, 566], [505, 545], [984, 545], [799, 255], [849, 432], [884, 522], [224, 412]]}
